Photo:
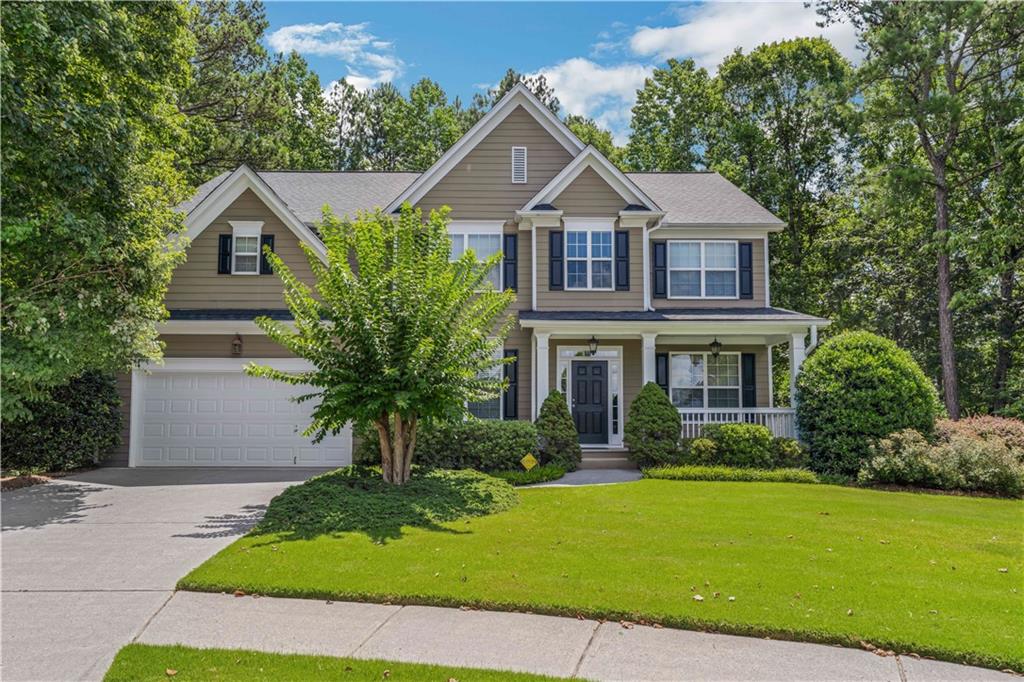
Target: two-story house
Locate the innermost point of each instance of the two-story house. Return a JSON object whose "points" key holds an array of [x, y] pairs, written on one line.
{"points": [[620, 279]]}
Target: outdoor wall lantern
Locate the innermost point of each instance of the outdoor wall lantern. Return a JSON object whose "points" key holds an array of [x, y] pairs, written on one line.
{"points": [[236, 345], [716, 347], [593, 346]]}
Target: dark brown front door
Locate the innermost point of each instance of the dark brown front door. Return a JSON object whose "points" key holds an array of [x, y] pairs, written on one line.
{"points": [[590, 400]]}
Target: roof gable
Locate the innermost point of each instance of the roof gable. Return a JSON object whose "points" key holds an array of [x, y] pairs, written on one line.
{"points": [[590, 158], [243, 178], [518, 96]]}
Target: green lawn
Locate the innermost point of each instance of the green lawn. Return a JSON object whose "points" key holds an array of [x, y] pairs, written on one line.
{"points": [[143, 662], [934, 575]]}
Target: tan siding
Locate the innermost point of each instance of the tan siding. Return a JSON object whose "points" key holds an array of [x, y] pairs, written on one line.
{"points": [[480, 186], [760, 363], [569, 299], [589, 196], [521, 340], [196, 284], [219, 346], [757, 302]]}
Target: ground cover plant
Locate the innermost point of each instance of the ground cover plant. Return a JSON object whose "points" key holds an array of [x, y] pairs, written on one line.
{"points": [[716, 473], [356, 499], [139, 662], [933, 575], [538, 474]]}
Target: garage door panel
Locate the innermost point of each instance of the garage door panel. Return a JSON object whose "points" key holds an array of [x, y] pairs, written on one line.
{"points": [[228, 418]]}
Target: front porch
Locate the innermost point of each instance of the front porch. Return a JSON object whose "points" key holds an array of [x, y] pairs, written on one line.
{"points": [[714, 368]]}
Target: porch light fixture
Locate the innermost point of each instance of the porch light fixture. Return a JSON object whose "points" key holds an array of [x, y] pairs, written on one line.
{"points": [[236, 345], [593, 346], [716, 347]]}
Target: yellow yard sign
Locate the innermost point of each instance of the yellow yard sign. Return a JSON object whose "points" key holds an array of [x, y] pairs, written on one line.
{"points": [[529, 461]]}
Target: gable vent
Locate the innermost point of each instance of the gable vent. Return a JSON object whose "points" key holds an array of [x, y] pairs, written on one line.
{"points": [[519, 165]]}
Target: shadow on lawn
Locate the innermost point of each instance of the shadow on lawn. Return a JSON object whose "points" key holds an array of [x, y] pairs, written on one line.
{"points": [[355, 499]]}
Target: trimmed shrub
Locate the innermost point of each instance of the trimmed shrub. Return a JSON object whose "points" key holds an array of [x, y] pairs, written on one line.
{"points": [[960, 463], [855, 388], [705, 473], [557, 440], [700, 451], [482, 444], [538, 474], [1010, 431], [76, 426], [653, 428], [787, 453], [747, 446]]}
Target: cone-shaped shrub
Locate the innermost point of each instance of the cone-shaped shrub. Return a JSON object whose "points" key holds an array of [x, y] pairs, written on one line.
{"points": [[653, 428], [855, 388], [557, 440]]}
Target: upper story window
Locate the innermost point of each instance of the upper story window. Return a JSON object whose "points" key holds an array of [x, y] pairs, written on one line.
{"points": [[588, 255], [483, 238], [699, 380], [703, 269], [518, 165], [245, 251]]}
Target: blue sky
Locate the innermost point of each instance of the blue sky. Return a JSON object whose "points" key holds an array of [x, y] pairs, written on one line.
{"points": [[595, 54]]}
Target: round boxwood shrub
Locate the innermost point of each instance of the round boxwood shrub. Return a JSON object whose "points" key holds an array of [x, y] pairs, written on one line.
{"points": [[557, 439], [855, 388], [745, 446], [653, 428], [76, 426]]}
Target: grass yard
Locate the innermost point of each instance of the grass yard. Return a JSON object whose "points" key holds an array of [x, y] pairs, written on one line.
{"points": [[145, 662], [935, 575]]}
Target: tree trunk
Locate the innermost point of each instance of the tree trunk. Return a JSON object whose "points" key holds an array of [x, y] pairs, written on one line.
{"points": [[1006, 328], [947, 354], [397, 438]]}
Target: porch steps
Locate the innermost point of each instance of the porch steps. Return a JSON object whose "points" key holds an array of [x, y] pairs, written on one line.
{"points": [[606, 459]]}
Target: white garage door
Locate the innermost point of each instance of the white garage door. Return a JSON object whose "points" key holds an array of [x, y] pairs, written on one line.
{"points": [[226, 418]]}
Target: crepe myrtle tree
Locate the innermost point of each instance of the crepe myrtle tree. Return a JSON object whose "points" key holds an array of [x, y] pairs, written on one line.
{"points": [[396, 332]]}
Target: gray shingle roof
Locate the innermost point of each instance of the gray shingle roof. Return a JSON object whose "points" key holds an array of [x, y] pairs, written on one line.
{"points": [[306, 192], [702, 199], [670, 315]]}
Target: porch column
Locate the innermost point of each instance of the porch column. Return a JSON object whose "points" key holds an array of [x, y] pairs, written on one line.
{"points": [[796, 360], [541, 378], [650, 371]]}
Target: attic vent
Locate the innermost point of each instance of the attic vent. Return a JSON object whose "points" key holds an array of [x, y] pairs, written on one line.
{"points": [[518, 165]]}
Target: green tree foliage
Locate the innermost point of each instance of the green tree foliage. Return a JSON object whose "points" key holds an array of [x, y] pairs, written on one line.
{"points": [[245, 105], [537, 84], [931, 66], [394, 331], [590, 133], [74, 426], [855, 388], [653, 427], [557, 438], [90, 131]]}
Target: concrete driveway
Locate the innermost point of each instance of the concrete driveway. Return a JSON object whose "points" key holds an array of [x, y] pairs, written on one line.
{"points": [[89, 559]]}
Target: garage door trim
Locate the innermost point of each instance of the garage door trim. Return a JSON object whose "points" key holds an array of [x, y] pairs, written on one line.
{"points": [[193, 365]]}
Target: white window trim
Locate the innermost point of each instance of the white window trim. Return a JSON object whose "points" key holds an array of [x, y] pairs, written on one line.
{"points": [[703, 269], [245, 228], [526, 166], [463, 229], [499, 354], [590, 226], [738, 387]]}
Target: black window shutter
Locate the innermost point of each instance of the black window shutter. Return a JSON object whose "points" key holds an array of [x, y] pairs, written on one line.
{"points": [[266, 240], [556, 261], [512, 392], [661, 371], [224, 255], [510, 267], [622, 260], [659, 268], [746, 270], [748, 377]]}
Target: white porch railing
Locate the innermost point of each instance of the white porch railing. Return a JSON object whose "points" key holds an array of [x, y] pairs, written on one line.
{"points": [[781, 421]]}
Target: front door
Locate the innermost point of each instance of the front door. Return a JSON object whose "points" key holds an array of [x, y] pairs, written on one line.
{"points": [[590, 400]]}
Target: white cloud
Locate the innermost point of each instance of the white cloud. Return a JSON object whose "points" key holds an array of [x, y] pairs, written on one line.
{"points": [[368, 59], [604, 93], [710, 31]]}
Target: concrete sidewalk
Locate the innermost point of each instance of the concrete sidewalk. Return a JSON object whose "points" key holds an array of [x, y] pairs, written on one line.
{"points": [[549, 645]]}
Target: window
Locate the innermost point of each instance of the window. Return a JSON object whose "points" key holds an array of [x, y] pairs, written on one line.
{"points": [[518, 165], [484, 246], [245, 247], [702, 380], [489, 409], [588, 259], [703, 269]]}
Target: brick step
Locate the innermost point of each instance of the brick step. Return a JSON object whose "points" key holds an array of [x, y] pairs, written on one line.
{"points": [[603, 454]]}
